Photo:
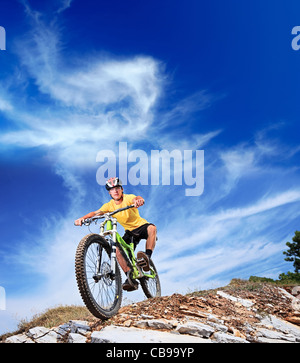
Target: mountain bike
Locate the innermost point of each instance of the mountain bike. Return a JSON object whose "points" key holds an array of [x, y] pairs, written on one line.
{"points": [[97, 271]]}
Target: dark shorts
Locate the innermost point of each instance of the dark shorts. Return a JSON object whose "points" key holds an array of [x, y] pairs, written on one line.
{"points": [[137, 234]]}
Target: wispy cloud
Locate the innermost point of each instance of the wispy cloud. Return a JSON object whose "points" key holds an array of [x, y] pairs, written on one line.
{"points": [[238, 162], [5, 105], [64, 4], [93, 98], [261, 206], [184, 110]]}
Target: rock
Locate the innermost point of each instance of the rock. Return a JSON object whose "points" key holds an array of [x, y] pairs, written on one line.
{"points": [[295, 290], [79, 326], [244, 302], [285, 293], [127, 323], [218, 327], [160, 324], [282, 326], [76, 338], [63, 330], [115, 334], [227, 338], [236, 332], [19, 338], [141, 324], [294, 319], [155, 324], [271, 334], [187, 311], [50, 337], [296, 304], [145, 316], [197, 329], [214, 319], [37, 332], [41, 334]]}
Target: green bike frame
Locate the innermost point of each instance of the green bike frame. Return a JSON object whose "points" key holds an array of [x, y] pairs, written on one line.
{"points": [[128, 249]]}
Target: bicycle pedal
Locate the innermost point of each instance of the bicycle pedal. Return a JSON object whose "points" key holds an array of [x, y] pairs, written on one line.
{"points": [[141, 262]]}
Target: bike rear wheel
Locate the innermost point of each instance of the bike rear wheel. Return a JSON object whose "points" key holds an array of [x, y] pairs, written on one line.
{"points": [[151, 286], [99, 289]]}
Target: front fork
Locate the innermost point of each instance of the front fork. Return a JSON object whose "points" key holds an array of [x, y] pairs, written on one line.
{"points": [[112, 231], [113, 257]]}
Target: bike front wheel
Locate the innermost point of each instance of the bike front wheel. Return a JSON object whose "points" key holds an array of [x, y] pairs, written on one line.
{"points": [[151, 286], [100, 290]]}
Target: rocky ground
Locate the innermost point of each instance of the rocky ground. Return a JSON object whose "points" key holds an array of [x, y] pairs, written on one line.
{"points": [[241, 312]]}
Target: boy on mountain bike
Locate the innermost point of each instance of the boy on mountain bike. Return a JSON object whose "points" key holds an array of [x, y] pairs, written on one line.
{"points": [[135, 226]]}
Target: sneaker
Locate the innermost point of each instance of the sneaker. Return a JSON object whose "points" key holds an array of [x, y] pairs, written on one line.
{"points": [[127, 286], [143, 260]]}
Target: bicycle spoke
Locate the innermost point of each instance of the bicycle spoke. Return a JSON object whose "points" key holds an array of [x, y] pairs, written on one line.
{"points": [[151, 284], [104, 290]]}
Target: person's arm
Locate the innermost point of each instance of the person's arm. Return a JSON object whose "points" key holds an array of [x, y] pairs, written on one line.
{"points": [[138, 201], [79, 221]]}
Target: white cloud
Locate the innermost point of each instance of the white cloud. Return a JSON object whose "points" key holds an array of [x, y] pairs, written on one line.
{"points": [[238, 162], [98, 102], [63, 5], [127, 87], [187, 142], [261, 206], [5, 105], [183, 112]]}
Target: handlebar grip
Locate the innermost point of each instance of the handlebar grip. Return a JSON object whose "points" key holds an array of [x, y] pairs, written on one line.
{"points": [[87, 221]]}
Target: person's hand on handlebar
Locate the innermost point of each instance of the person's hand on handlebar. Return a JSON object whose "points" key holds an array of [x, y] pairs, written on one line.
{"points": [[138, 202], [79, 222]]}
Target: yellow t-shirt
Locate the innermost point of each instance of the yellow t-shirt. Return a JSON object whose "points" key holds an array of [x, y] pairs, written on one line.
{"points": [[130, 218]]}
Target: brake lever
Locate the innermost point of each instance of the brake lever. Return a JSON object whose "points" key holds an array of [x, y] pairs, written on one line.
{"points": [[87, 221]]}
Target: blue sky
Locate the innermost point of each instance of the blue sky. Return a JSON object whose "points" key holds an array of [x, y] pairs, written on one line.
{"points": [[78, 77]]}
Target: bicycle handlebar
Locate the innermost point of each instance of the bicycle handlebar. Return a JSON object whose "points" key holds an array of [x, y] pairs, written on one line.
{"points": [[119, 210], [88, 221]]}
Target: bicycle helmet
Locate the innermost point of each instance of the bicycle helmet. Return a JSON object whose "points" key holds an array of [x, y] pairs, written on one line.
{"points": [[113, 182]]}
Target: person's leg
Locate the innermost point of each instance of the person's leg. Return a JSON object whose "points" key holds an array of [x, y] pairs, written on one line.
{"points": [[122, 261], [144, 258], [151, 240], [123, 264]]}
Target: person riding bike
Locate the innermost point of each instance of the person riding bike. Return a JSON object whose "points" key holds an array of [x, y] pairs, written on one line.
{"points": [[135, 226]]}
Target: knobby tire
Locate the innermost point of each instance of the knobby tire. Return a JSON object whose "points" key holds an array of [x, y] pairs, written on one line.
{"points": [[151, 287], [96, 295]]}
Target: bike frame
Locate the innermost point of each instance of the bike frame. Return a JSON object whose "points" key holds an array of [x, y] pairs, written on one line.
{"points": [[115, 240]]}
